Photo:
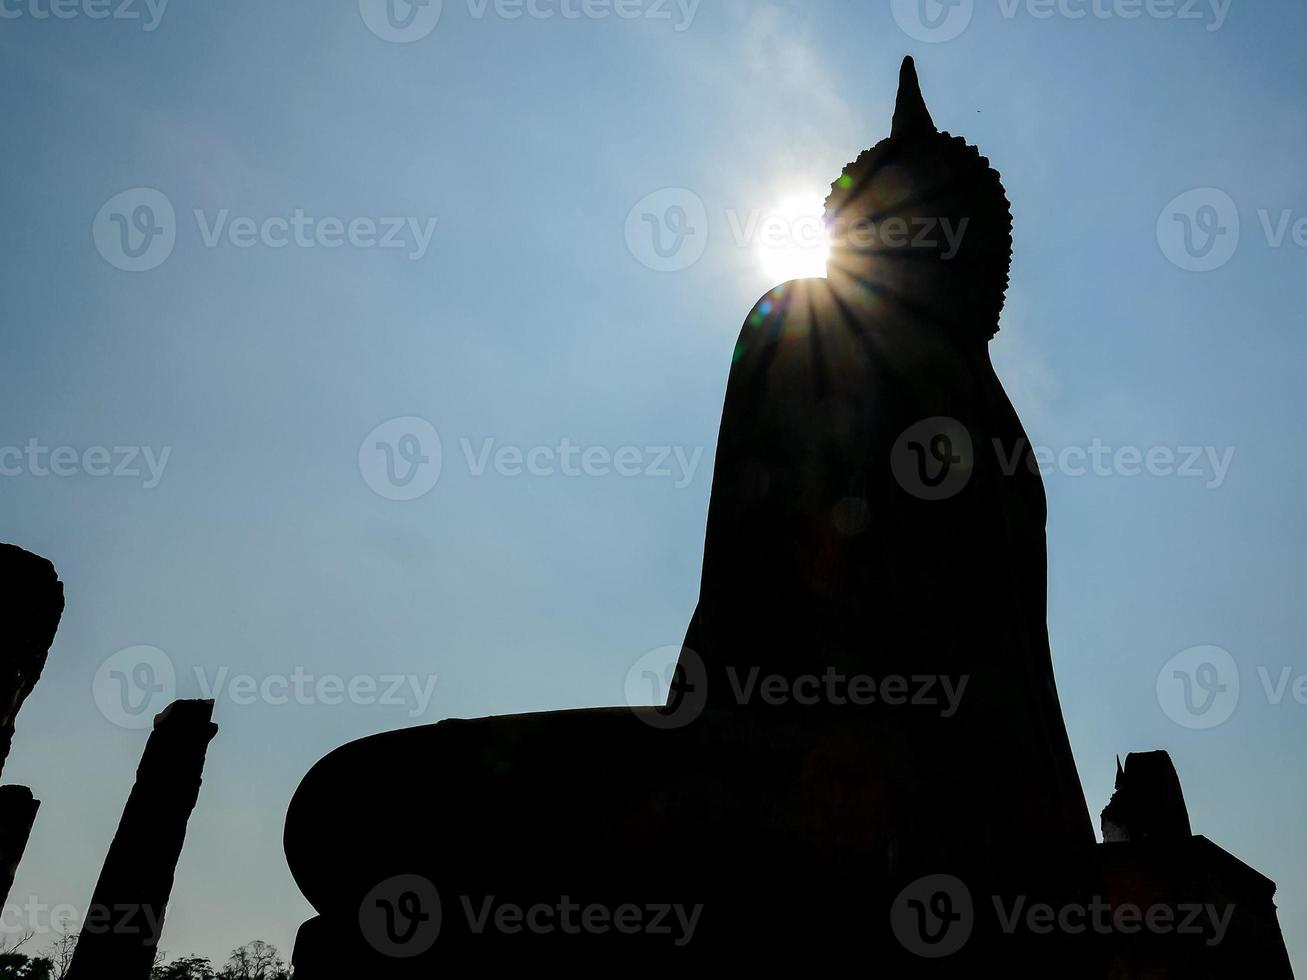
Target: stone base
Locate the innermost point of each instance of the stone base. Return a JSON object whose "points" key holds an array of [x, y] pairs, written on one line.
{"points": [[1212, 915], [1160, 910]]}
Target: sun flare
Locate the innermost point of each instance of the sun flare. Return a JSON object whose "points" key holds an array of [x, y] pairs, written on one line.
{"points": [[792, 240]]}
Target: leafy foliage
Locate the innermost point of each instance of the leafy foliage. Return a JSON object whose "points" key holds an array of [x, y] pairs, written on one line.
{"points": [[255, 960], [189, 968], [16, 966]]}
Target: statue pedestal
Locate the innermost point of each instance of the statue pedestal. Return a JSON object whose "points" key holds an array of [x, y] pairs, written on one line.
{"points": [[1160, 910], [1203, 913]]}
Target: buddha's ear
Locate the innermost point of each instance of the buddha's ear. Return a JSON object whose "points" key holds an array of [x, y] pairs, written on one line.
{"points": [[911, 117]]}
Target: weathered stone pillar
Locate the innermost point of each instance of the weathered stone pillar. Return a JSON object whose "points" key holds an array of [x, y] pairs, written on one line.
{"points": [[125, 917], [17, 814], [31, 603]]}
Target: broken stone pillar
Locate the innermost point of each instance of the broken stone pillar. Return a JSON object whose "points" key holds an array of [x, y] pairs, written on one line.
{"points": [[31, 604], [125, 917], [1148, 801], [17, 814]]}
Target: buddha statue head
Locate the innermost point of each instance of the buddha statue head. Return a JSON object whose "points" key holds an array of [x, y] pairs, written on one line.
{"points": [[922, 219]]}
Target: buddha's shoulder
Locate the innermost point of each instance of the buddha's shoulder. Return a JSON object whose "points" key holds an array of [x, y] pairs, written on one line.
{"points": [[797, 298]]}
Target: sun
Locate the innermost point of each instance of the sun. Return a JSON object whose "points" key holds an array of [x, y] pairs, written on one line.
{"points": [[792, 241]]}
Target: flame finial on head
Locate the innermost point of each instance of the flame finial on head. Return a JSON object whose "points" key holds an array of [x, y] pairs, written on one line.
{"points": [[911, 117]]}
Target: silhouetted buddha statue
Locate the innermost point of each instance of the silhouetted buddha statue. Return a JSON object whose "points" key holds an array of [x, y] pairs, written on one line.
{"points": [[875, 506], [865, 695]]}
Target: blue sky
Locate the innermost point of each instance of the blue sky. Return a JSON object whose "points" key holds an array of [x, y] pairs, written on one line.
{"points": [[267, 551]]}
